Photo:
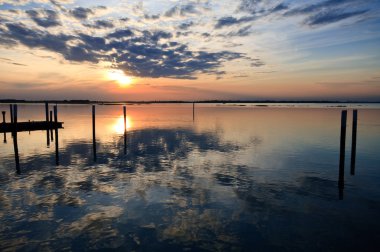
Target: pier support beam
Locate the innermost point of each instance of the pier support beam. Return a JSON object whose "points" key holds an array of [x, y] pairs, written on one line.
{"points": [[5, 134], [342, 148]]}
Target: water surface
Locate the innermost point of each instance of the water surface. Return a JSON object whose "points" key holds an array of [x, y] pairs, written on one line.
{"points": [[245, 178]]}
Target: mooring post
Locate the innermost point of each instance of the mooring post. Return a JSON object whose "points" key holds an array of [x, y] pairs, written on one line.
{"points": [[353, 143], [56, 134], [11, 112], [47, 120], [5, 134], [47, 111], [93, 132], [15, 114], [342, 147], [51, 122], [125, 129], [193, 111]]}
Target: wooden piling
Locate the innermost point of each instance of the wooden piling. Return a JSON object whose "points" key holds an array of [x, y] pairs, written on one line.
{"points": [[11, 112], [125, 129], [193, 111], [47, 111], [93, 132], [342, 147], [56, 135], [5, 135], [47, 119], [51, 131], [353, 143]]}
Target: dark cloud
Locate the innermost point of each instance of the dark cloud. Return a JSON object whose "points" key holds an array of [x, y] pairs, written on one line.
{"points": [[120, 34], [228, 21], [328, 17], [81, 13], [138, 53], [44, 18], [151, 17], [260, 7], [312, 8], [245, 31], [181, 10], [186, 25], [101, 24], [257, 63]]}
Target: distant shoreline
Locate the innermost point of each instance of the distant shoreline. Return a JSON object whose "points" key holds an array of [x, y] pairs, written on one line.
{"points": [[2, 101]]}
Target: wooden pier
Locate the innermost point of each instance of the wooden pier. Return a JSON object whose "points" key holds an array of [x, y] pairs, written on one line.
{"points": [[29, 126]]}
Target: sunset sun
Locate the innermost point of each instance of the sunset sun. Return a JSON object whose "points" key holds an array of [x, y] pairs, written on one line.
{"points": [[119, 77]]}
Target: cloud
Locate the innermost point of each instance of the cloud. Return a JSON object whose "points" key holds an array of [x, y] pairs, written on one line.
{"points": [[228, 21], [312, 8], [100, 24], [186, 25], [120, 34], [138, 53], [328, 17], [44, 18], [81, 13], [261, 7], [182, 10]]}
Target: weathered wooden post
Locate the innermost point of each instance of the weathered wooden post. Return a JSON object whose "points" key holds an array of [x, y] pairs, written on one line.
{"points": [[193, 111], [47, 120], [5, 134], [353, 143], [125, 129], [15, 145], [93, 132], [342, 147], [11, 112], [56, 135], [51, 122], [47, 111]]}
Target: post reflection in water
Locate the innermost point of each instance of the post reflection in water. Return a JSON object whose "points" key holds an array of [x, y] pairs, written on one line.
{"points": [[56, 136], [203, 186]]}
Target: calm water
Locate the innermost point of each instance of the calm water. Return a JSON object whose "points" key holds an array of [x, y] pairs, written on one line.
{"points": [[245, 178]]}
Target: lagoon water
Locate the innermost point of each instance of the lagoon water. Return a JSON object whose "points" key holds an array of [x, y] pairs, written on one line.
{"points": [[244, 178]]}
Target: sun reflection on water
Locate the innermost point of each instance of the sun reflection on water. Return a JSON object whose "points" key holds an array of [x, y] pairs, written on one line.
{"points": [[118, 125]]}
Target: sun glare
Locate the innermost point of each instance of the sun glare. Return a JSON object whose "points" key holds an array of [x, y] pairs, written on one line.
{"points": [[119, 76], [118, 125]]}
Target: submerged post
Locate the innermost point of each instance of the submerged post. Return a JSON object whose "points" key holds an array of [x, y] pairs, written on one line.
{"points": [[342, 147], [93, 132], [353, 143], [125, 129], [56, 135]]}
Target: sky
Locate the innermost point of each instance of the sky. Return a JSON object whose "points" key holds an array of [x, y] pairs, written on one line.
{"points": [[190, 50]]}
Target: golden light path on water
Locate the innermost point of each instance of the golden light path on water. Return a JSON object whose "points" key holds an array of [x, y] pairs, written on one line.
{"points": [[118, 125]]}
